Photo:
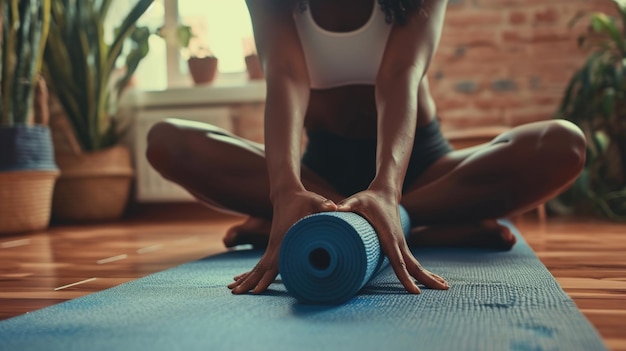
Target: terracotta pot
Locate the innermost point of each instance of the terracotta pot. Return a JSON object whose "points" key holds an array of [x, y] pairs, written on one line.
{"points": [[253, 65], [203, 69], [93, 186]]}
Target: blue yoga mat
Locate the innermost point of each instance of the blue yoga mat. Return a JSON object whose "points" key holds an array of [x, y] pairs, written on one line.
{"points": [[497, 301], [326, 258]]}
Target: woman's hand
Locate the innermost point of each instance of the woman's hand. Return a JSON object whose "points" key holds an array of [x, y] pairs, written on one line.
{"points": [[288, 209], [380, 208]]}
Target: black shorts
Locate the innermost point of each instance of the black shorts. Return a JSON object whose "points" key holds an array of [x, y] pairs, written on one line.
{"points": [[349, 165]]}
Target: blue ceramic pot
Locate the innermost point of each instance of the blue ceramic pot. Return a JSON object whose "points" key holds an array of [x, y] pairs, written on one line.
{"points": [[26, 148]]}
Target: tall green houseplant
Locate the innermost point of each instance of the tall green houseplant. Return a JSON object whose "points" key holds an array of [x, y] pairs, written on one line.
{"points": [[24, 31], [27, 168], [79, 64], [596, 101], [83, 70]]}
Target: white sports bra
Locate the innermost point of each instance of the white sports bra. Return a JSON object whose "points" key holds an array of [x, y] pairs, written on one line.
{"points": [[342, 58]]}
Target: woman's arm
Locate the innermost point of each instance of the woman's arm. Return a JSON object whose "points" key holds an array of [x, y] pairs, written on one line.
{"points": [[286, 102], [288, 91], [409, 50]]}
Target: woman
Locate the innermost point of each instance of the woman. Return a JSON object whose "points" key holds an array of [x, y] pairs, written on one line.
{"points": [[352, 74]]}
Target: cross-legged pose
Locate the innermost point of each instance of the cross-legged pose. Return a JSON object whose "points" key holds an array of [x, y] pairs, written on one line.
{"points": [[351, 74]]}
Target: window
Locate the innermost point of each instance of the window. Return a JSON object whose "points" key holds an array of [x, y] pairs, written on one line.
{"points": [[221, 27]]}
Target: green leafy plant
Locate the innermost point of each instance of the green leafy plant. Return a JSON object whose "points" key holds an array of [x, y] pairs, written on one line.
{"points": [[182, 36], [595, 100], [79, 66], [24, 30]]}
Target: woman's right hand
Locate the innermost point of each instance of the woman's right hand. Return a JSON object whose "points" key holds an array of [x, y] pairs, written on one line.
{"points": [[289, 207]]}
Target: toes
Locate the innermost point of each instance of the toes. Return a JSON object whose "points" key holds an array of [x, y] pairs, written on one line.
{"points": [[248, 233], [231, 238], [507, 237]]}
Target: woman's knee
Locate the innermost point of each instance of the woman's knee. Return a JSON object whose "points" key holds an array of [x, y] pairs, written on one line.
{"points": [[162, 142], [564, 144]]}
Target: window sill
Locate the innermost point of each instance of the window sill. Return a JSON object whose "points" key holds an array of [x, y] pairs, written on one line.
{"points": [[214, 94]]}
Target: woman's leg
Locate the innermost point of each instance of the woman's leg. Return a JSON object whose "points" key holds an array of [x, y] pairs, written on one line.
{"points": [[517, 171], [222, 170]]}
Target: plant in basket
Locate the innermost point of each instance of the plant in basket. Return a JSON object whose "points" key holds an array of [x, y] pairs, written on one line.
{"points": [[82, 70], [27, 167]]}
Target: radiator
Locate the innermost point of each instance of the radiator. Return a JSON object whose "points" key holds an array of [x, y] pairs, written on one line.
{"points": [[150, 185]]}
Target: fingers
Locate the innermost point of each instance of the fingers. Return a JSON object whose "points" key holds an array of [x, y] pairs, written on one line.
{"points": [[257, 280], [415, 269], [346, 205], [406, 267], [328, 205], [240, 276], [399, 267], [430, 280], [265, 281]]}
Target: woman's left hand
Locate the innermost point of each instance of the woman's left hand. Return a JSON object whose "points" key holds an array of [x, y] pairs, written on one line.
{"points": [[380, 208]]}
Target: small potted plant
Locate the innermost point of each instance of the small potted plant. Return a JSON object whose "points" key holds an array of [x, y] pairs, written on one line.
{"points": [[202, 66], [80, 66], [596, 101], [251, 58], [27, 167], [201, 62]]}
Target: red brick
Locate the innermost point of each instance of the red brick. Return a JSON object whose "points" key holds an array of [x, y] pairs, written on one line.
{"points": [[549, 51], [469, 69], [459, 119], [455, 102], [447, 53], [517, 17], [481, 18], [540, 74], [601, 6], [497, 56], [530, 114], [533, 35], [546, 16], [469, 37], [522, 3], [551, 100], [501, 101]]}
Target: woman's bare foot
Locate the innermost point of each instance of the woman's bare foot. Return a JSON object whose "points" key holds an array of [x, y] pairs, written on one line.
{"points": [[254, 231], [486, 234]]}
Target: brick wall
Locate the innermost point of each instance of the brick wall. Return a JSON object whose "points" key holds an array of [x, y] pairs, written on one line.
{"points": [[506, 62]]}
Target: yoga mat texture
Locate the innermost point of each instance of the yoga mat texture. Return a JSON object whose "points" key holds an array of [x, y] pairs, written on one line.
{"points": [[328, 257], [497, 301]]}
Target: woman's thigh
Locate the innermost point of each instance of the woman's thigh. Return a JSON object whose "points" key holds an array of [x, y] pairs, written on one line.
{"points": [[221, 169], [527, 164]]}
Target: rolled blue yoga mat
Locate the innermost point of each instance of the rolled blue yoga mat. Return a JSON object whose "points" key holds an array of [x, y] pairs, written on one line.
{"points": [[326, 258]]}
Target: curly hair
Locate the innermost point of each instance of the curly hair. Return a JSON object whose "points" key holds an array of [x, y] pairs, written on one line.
{"points": [[396, 11]]}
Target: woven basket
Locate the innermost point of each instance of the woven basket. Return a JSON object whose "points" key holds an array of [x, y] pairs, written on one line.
{"points": [[93, 187], [91, 198], [25, 198]]}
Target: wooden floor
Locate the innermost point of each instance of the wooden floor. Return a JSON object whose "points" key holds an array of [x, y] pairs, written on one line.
{"points": [[40, 269]]}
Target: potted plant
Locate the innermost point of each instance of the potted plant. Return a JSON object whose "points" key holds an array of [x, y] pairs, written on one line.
{"points": [[202, 66], [252, 60], [201, 62], [80, 67], [595, 100], [27, 167], [253, 67]]}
